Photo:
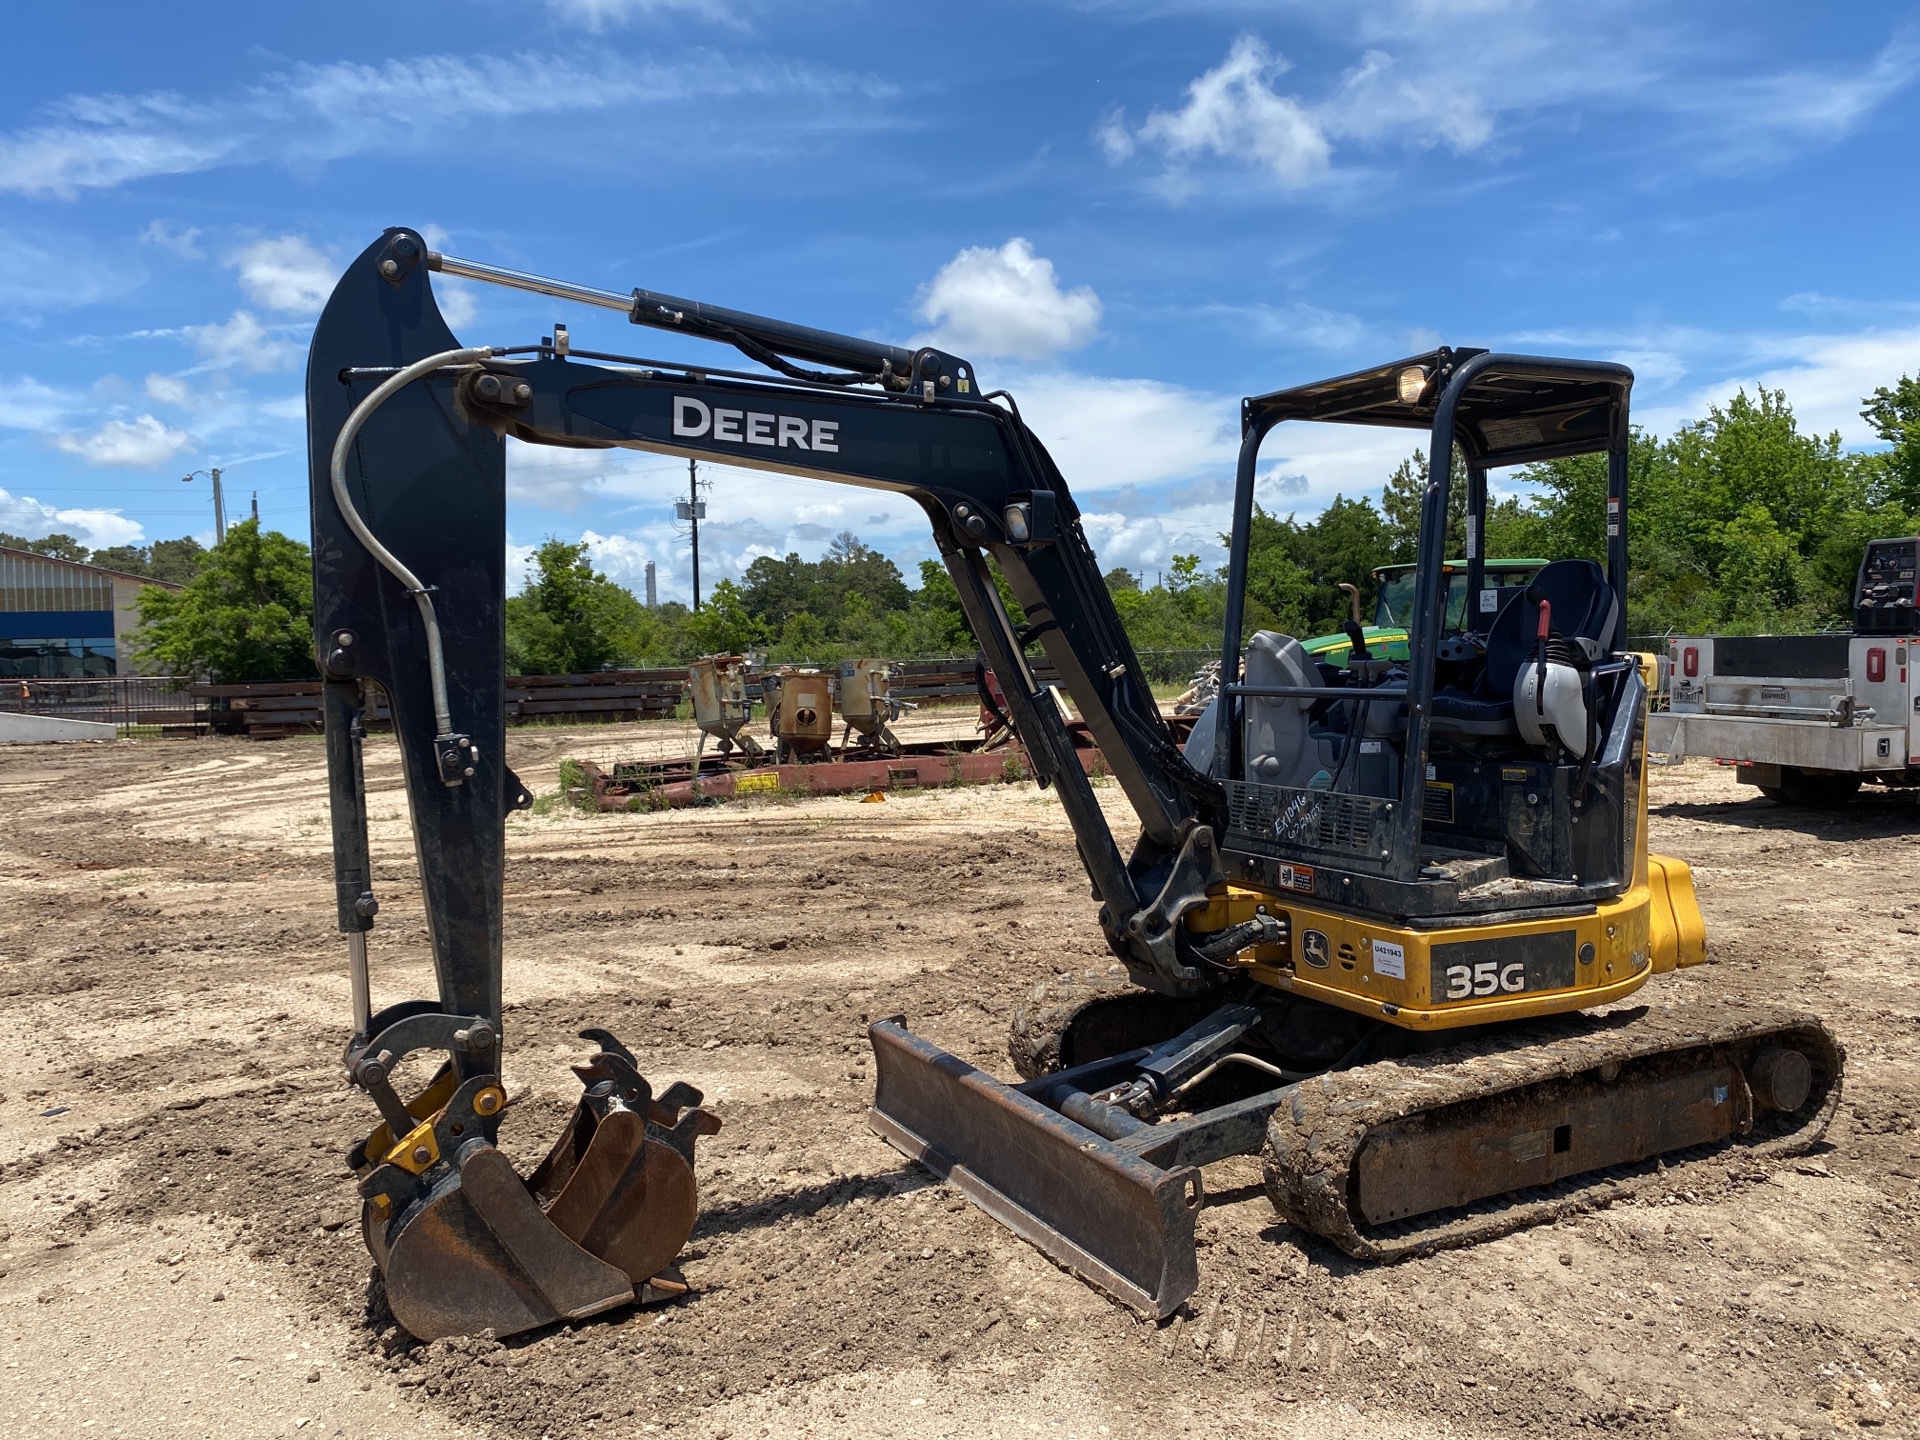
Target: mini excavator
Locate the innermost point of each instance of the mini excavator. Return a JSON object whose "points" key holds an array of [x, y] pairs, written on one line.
{"points": [[1366, 923]]}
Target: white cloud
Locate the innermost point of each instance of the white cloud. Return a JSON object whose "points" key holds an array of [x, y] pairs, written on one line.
{"points": [[23, 515], [1113, 137], [1106, 434], [1300, 324], [182, 240], [459, 301], [1379, 99], [1822, 102], [130, 444], [1826, 379], [1409, 90], [313, 113], [244, 342], [1233, 113], [598, 15], [286, 273], [29, 404], [167, 389], [1006, 301], [99, 141]]}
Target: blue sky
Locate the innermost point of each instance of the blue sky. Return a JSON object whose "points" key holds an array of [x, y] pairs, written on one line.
{"points": [[1131, 213]]}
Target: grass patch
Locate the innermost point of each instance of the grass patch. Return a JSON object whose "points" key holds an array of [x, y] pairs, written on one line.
{"points": [[575, 791]]}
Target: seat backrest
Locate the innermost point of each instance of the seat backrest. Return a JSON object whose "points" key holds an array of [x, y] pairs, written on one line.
{"points": [[1582, 606], [1279, 748]]}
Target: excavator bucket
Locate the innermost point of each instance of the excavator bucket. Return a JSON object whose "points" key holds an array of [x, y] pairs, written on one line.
{"points": [[467, 1246]]}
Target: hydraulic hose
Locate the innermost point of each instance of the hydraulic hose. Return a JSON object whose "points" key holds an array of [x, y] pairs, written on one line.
{"points": [[468, 358]]}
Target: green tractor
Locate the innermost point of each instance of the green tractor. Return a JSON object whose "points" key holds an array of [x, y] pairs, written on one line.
{"points": [[1393, 607]]}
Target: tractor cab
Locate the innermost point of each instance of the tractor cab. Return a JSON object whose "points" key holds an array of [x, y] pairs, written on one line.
{"points": [[1393, 587]]}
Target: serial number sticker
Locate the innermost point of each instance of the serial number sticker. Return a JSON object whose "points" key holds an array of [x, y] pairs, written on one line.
{"points": [[1294, 877], [1389, 959], [1510, 772], [747, 784], [1514, 965]]}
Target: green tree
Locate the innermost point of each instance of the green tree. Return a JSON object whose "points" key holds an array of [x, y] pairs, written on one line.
{"points": [[1346, 541], [936, 606], [177, 561], [1894, 413], [774, 589], [1403, 497], [127, 559], [570, 619], [63, 547], [803, 637], [724, 625], [247, 615]]}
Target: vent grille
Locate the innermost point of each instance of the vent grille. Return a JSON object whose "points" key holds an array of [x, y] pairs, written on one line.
{"points": [[1278, 819]]}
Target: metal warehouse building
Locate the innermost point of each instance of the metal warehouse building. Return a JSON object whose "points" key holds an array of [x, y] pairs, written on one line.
{"points": [[63, 620]]}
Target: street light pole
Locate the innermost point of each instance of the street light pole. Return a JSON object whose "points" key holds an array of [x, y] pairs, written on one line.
{"points": [[219, 502]]}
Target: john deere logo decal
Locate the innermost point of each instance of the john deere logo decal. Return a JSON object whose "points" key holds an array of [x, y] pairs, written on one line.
{"points": [[1315, 949]]}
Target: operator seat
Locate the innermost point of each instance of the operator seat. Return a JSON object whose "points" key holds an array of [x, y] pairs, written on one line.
{"points": [[1281, 746], [1582, 606]]}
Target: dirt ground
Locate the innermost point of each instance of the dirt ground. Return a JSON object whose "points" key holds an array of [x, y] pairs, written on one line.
{"points": [[179, 1256]]}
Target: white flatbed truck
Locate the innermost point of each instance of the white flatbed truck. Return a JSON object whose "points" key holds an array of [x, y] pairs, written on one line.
{"points": [[1808, 718]]}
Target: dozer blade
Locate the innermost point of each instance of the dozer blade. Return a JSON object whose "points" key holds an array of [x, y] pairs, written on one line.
{"points": [[1405, 1157], [478, 1255], [1091, 1204]]}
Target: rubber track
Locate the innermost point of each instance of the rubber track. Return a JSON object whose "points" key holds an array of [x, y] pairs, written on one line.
{"points": [[1312, 1143], [1103, 1011]]}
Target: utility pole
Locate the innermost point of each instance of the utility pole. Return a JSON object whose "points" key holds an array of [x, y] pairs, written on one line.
{"points": [[694, 507], [692, 510], [256, 507], [219, 503]]}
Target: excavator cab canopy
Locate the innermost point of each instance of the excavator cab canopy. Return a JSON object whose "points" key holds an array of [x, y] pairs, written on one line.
{"points": [[1512, 410], [1377, 774]]}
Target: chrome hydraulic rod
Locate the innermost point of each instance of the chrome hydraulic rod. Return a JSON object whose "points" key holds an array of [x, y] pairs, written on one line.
{"points": [[520, 280], [711, 322], [357, 980]]}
